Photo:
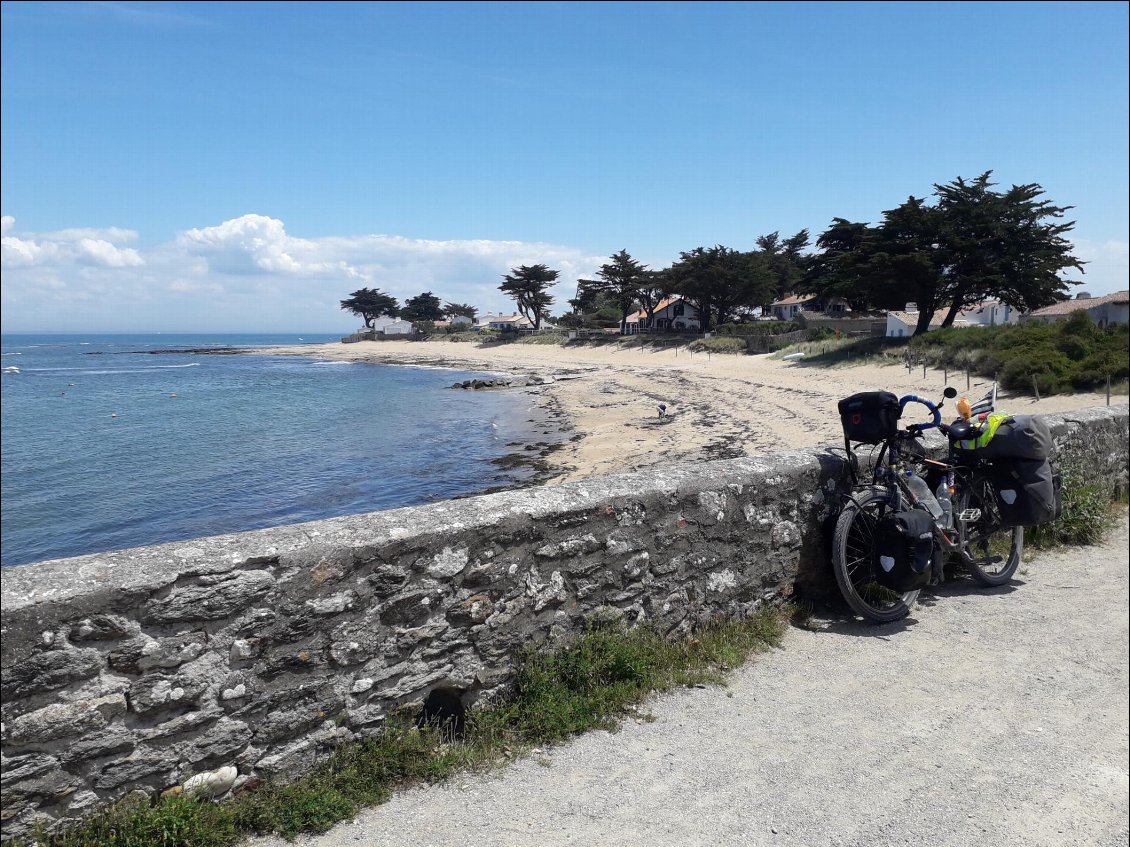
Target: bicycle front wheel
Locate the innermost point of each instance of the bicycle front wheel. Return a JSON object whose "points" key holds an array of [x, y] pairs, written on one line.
{"points": [[853, 551], [994, 550]]}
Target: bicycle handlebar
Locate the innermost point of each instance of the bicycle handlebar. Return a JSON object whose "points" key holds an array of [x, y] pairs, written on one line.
{"points": [[914, 398]]}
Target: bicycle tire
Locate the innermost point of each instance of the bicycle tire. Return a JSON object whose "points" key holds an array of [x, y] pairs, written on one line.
{"points": [[852, 556], [985, 538]]}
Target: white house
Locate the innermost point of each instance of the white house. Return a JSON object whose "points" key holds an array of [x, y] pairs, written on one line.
{"points": [[395, 327], [671, 313], [1109, 310], [903, 324], [787, 308], [508, 323], [990, 313]]}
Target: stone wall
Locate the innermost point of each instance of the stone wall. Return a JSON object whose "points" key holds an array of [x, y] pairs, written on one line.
{"points": [[133, 670]]}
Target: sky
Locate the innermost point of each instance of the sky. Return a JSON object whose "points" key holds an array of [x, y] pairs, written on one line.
{"points": [[236, 167]]}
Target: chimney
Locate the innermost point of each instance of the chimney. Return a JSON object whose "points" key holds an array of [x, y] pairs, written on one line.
{"points": [[911, 308], [1083, 295]]}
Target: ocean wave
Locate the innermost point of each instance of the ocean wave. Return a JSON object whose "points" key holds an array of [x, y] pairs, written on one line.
{"points": [[113, 370], [334, 362], [11, 354]]}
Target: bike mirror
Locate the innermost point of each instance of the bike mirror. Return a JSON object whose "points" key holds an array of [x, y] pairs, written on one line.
{"points": [[950, 392]]}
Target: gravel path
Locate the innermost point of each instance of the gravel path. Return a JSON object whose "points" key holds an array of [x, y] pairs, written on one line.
{"points": [[990, 717]]}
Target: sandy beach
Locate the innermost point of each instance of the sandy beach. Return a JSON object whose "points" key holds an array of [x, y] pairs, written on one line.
{"points": [[718, 405]]}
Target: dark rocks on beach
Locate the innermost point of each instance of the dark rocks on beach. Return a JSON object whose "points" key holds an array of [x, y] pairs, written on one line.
{"points": [[482, 383]]}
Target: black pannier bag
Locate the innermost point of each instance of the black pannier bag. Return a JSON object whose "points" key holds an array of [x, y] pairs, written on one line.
{"points": [[870, 417], [1019, 437], [904, 548], [1026, 492]]}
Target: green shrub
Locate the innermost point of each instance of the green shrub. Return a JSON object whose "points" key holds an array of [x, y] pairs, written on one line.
{"points": [[1073, 354], [1086, 514], [718, 345]]}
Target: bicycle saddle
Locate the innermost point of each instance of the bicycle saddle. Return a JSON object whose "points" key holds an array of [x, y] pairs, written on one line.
{"points": [[962, 431]]}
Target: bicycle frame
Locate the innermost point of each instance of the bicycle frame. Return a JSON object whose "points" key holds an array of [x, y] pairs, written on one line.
{"points": [[887, 472]]}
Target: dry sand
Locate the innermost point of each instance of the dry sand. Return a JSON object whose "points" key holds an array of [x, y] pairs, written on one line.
{"points": [[717, 405]]}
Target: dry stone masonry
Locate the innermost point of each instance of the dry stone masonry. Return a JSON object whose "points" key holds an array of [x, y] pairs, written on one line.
{"points": [[260, 651]]}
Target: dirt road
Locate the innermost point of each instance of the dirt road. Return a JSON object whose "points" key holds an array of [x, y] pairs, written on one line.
{"points": [[990, 717]]}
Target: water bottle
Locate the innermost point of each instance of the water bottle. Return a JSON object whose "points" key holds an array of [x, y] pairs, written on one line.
{"points": [[946, 502], [923, 495]]}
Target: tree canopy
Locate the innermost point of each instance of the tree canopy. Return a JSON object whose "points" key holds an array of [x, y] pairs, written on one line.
{"points": [[718, 281], [423, 307], [620, 280], [462, 310], [369, 304], [974, 243], [529, 286]]}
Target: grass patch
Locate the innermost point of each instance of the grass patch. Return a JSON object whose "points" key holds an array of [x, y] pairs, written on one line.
{"points": [[1088, 514], [592, 683], [555, 338], [846, 352], [726, 344]]}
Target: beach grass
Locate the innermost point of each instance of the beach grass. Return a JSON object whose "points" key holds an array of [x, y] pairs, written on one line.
{"points": [[596, 681]]}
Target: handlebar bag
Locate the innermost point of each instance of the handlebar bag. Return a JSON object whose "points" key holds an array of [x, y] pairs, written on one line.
{"points": [[870, 417], [1026, 492], [904, 547], [1011, 437]]}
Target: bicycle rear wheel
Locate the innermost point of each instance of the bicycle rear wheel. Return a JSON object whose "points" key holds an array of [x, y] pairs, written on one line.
{"points": [[853, 548], [995, 550]]}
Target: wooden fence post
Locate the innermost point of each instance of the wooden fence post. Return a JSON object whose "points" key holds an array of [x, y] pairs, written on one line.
{"points": [[1035, 388]]}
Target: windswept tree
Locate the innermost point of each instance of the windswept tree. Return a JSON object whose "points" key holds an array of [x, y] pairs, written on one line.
{"points": [[619, 280], [369, 304], [460, 310], [973, 244], [1009, 245], [529, 286], [423, 307]]}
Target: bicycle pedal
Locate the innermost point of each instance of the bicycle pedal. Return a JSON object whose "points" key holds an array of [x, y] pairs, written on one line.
{"points": [[969, 515]]}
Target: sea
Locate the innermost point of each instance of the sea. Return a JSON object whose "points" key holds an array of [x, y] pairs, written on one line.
{"points": [[117, 441]]}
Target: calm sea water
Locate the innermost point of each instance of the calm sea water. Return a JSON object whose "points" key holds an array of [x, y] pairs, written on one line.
{"points": [[106, 445]]}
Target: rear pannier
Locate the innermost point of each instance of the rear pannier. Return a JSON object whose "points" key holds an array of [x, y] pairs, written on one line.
{"points": [[904, 546], [1026, 492], [870, 417], [1011, 437]]}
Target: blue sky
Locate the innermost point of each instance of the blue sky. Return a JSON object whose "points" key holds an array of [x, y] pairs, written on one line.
{"points": [[231, 166]]}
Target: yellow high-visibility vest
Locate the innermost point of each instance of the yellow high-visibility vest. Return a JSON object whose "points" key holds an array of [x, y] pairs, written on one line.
{"points": [[988, 430]]}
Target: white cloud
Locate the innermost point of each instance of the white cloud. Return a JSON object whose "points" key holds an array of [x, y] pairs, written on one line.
{"points": [[67, 246], [249, 274]]}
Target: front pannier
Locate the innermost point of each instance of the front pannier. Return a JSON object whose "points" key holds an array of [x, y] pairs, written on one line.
{"points": [[1026, 492], [870, 417], [904, 547]]}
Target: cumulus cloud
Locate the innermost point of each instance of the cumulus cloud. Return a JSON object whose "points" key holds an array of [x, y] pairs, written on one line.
{"points": [[258, 244], [249, 273], [102, 247]]}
